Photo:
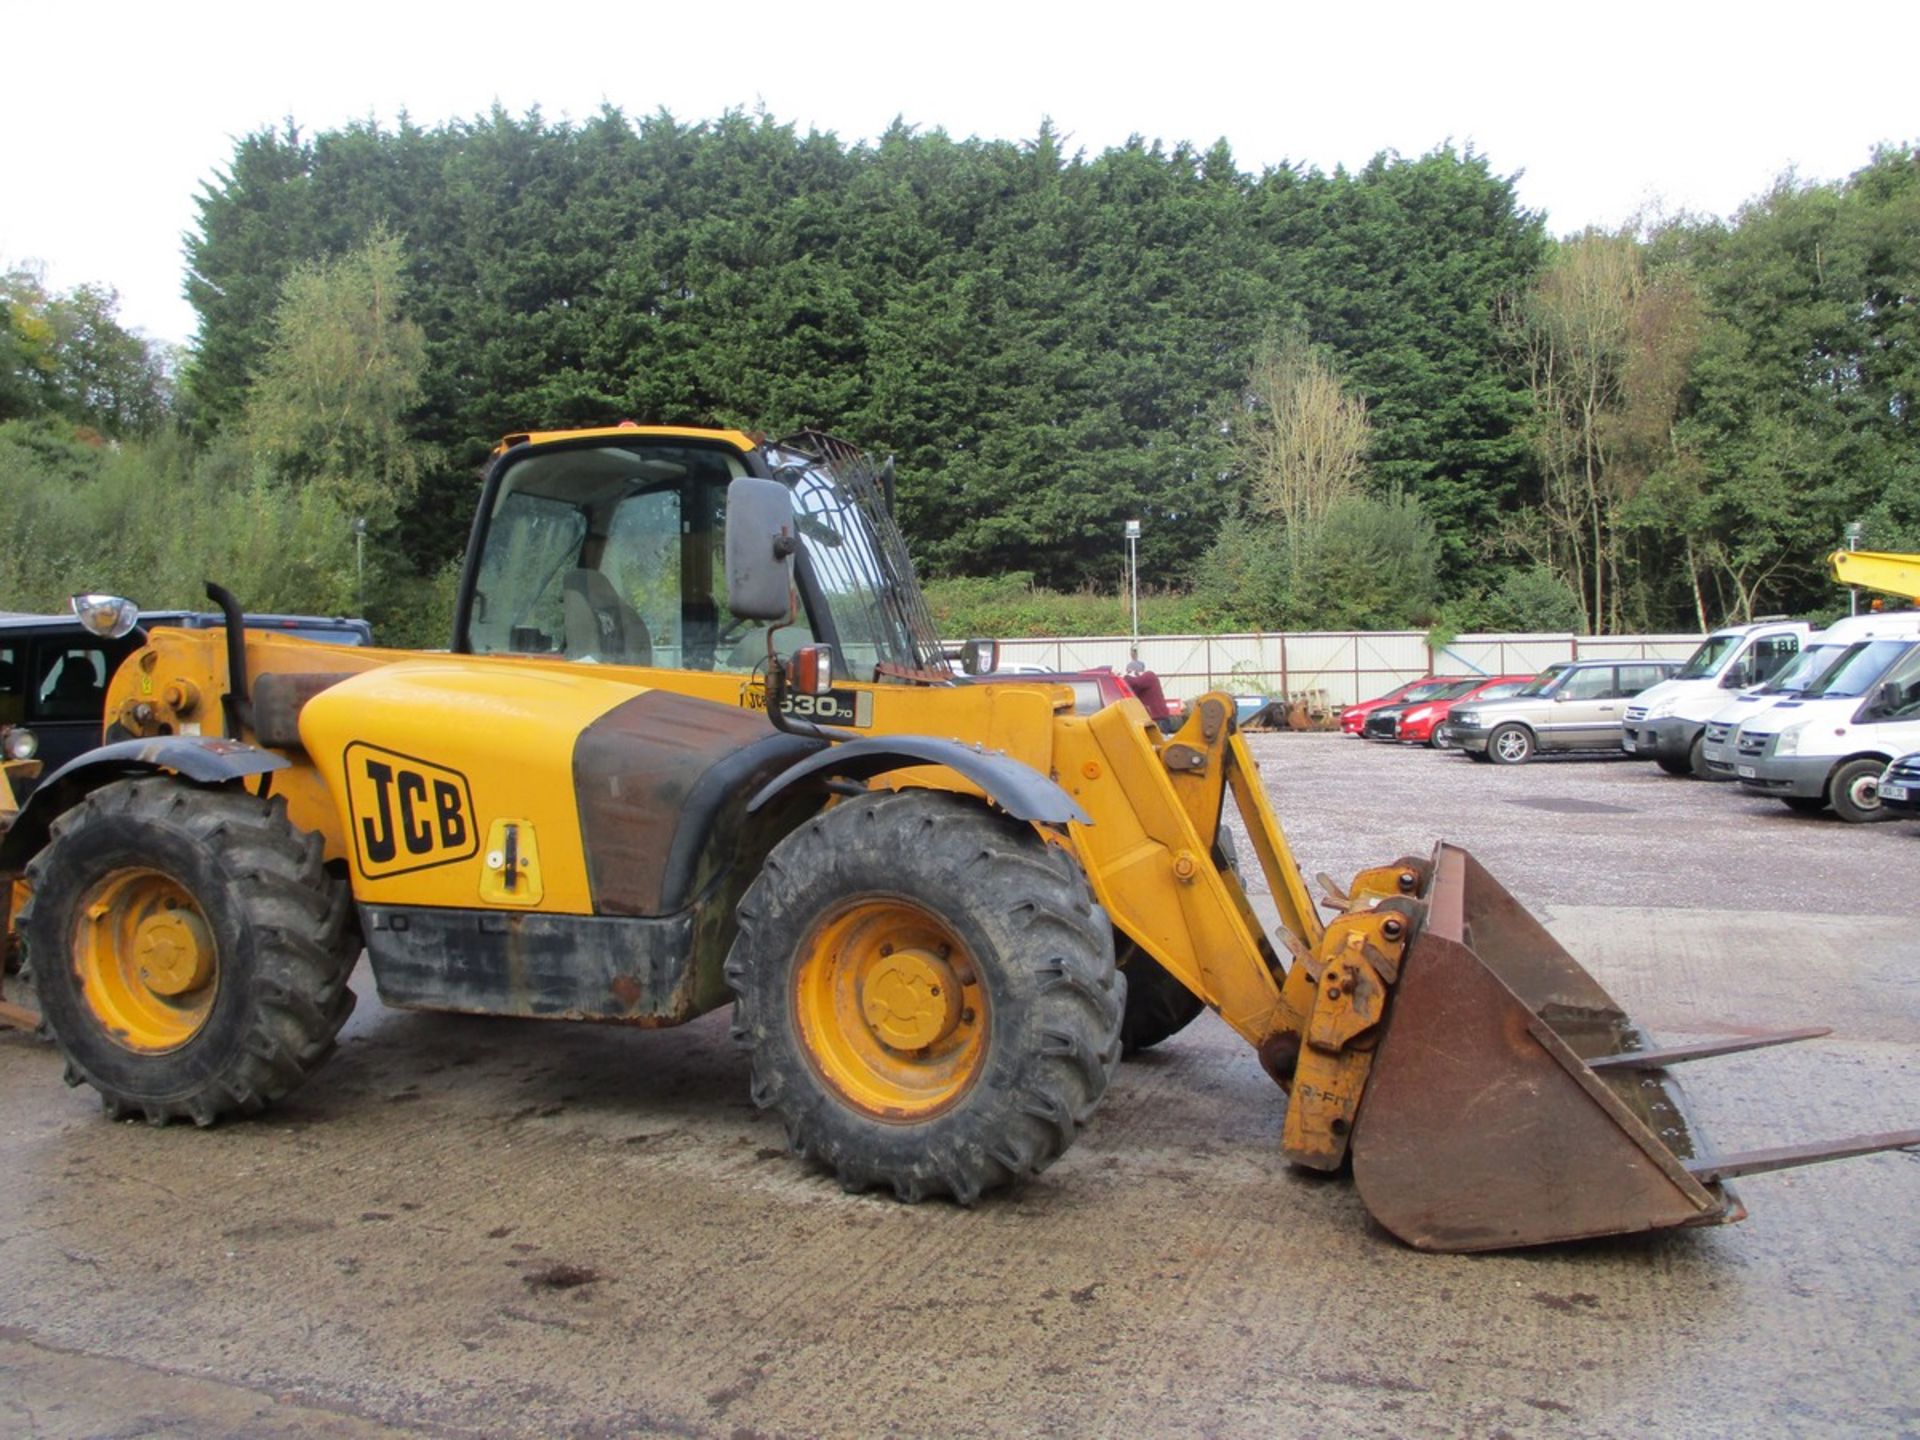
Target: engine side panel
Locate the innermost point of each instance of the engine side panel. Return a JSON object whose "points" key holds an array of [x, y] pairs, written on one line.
{"points": [[425, 758]]}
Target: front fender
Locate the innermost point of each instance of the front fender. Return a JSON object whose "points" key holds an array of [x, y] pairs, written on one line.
{"points": [[203, 759], [1018, 789]]}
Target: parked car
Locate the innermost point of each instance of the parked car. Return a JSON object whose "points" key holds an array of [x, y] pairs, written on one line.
{"points": [[1733, 658], [1830, 745], [1383, 720], [54, 673], [1575, 705], [1900, 788], [1426, 723], [1354, 718]]}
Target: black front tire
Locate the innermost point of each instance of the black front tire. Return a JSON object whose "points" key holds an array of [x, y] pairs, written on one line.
{"points": [[1855, 792], [278, 931], [1697, 758], [1041, 975]]}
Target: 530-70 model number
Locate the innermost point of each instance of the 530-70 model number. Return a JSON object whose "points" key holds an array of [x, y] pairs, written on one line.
{"points": [[836, 707]]}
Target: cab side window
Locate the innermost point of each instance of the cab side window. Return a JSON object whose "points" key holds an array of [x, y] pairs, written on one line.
{"points": [[71, 683], [1635, 678], [1588, 684], [13, 686], [1771, 655]]}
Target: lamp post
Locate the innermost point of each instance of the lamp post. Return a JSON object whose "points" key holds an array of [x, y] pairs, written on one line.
{"points": [[360, 562], [1853, 543], [1133, 584]]}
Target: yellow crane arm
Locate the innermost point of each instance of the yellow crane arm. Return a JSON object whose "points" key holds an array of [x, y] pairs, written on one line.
{"points": [[1875, 570]]}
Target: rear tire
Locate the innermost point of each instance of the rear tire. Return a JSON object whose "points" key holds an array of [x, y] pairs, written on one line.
{"points": [[928, 993], [1510, 745], [189, 949], [1855, 791], [1158, 1006]]}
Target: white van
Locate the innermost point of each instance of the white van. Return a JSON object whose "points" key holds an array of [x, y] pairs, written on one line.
{"points": [[1736, 657], [1820, 654], [1830, 745]]}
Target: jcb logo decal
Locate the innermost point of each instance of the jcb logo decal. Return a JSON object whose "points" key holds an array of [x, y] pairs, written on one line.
{"points": [[407, 814]]}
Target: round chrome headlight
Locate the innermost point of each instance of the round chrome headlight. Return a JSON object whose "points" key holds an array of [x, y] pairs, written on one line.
{"points": [[20, 743]]}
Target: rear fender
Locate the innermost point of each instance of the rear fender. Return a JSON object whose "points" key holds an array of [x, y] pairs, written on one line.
{"points": [[199, 759], [1018, 789]]}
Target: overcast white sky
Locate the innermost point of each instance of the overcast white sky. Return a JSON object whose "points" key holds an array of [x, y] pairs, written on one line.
{"points": [[112, 114]]}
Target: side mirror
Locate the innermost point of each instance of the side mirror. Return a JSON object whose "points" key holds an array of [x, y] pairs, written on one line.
{"points": [[1739, 675], [980, 657], [760, 546]]}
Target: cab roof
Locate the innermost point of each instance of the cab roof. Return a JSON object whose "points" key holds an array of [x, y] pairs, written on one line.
{"points": [[628, 430]]}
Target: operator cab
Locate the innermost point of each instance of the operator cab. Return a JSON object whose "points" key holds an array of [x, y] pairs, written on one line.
{"points": [[609, 547]]}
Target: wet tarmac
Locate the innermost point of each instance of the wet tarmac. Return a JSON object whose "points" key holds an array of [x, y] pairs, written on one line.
{"points": [[472, 1227]]}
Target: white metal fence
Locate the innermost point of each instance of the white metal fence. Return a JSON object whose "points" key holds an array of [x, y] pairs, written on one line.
{"points": [[1336, 667]]}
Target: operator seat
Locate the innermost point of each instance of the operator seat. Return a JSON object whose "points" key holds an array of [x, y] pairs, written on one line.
{"points": [[77, 693], [602, 624]]}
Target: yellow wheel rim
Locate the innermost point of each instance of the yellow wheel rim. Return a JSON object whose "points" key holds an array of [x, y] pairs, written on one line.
{"points": [[891, 1009], [146, 960]]}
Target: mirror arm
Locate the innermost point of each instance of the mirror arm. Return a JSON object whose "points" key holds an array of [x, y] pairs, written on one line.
{"points": [[777, 690]]}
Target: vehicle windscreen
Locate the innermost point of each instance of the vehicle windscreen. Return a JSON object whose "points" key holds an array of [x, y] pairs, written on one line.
{"points": [[1426, 690], [1457, 689], [1707, 660], [1903, 679], [1806, 668], [1543, 682], [1503, 689], [1859, 671], [877, 619]]}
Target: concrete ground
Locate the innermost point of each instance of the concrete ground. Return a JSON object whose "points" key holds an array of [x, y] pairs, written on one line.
{"points": [[465, 1227]]}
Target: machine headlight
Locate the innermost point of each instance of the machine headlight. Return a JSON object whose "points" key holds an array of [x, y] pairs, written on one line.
{"points": [[1787, 742], [1417, 714], [1661, 708], [1465, 717], [20, 743]]}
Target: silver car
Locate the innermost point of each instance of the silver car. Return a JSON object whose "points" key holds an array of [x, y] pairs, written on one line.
{"points": [[1577, 705]]}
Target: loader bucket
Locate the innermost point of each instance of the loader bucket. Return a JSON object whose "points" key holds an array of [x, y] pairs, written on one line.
{"points": [[1512, 1102]]}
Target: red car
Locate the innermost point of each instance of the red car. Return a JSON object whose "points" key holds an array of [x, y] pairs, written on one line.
{"points": [[1354, 717], [1419, 724]]}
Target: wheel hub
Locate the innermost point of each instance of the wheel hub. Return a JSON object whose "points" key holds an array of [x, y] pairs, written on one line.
{"points": [[173, 952], [911, 1000]]}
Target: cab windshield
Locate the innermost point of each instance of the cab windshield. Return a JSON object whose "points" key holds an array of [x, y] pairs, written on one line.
{"points": [[1902, 682], [1807, 668], [855, 572], [1714, 651], [1859, 671]]}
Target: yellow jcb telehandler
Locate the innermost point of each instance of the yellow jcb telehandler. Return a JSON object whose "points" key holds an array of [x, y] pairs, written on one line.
{"points": [[696, 743]]}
